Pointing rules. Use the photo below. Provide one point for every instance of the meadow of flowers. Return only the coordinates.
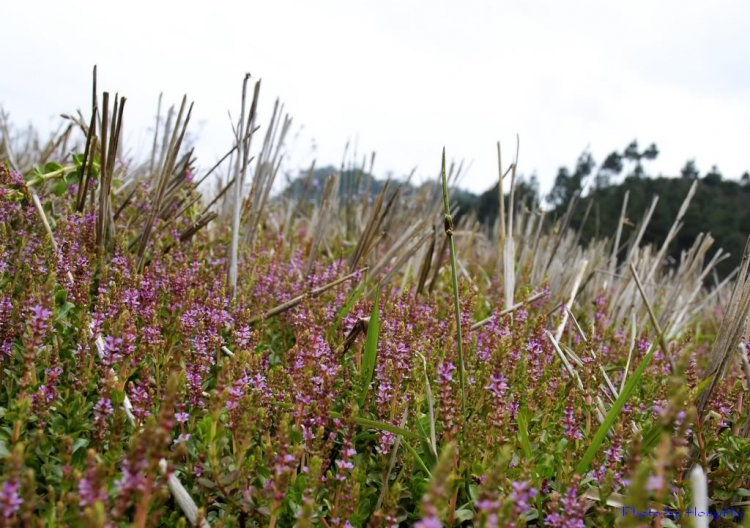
(175, 355)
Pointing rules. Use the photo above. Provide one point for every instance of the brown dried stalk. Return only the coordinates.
(310, 294)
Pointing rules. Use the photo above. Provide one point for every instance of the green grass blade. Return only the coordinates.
(613, 414)
(353, 298)
(366, 422)
(417, 458)
(371, 349)
(430, 407)
(523, 432)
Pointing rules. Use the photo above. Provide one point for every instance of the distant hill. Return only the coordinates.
(356, 182)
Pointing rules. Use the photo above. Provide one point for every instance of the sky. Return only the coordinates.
(402, 78)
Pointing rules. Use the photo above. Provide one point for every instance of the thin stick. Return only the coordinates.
(47, 228)
(673, 230)
(218, 163)
(488, 320)
(83, 185)
(297, 300)
(642, 229)
(566, 363)
(652, 316)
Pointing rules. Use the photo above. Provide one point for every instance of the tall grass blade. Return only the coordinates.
(371, 350)
(614, 413)
(430, 407)
(417, 458)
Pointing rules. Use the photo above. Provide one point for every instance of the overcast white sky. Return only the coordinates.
(405, 78)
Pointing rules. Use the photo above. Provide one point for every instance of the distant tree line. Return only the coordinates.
(720, 206)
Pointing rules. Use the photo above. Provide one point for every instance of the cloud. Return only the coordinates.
(406, 78)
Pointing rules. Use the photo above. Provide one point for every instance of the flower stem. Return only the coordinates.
(449, 232)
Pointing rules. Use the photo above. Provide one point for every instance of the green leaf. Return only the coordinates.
(463, 514)
(365, 422)
(63, 311)
(371, 349)
(51, 167)
(206, 483)
(59, 187)
(613, 414)
(79, 443)
(61, 295)
(117, 397)
(72, 178)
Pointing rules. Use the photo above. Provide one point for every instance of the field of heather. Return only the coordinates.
(179, 349)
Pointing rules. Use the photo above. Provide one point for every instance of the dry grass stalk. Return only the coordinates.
(501, 212)
(239, 176)
(572, 298)
(405, 256)
(642, 229)
(370, 230)
(564, 359)
(672, 231)
(166, 169)
(321, 223)
(733, 325)
(652, 315)
(412, 232)
(509, 255)
(510, 309)
(424, 269)
(616, 245)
